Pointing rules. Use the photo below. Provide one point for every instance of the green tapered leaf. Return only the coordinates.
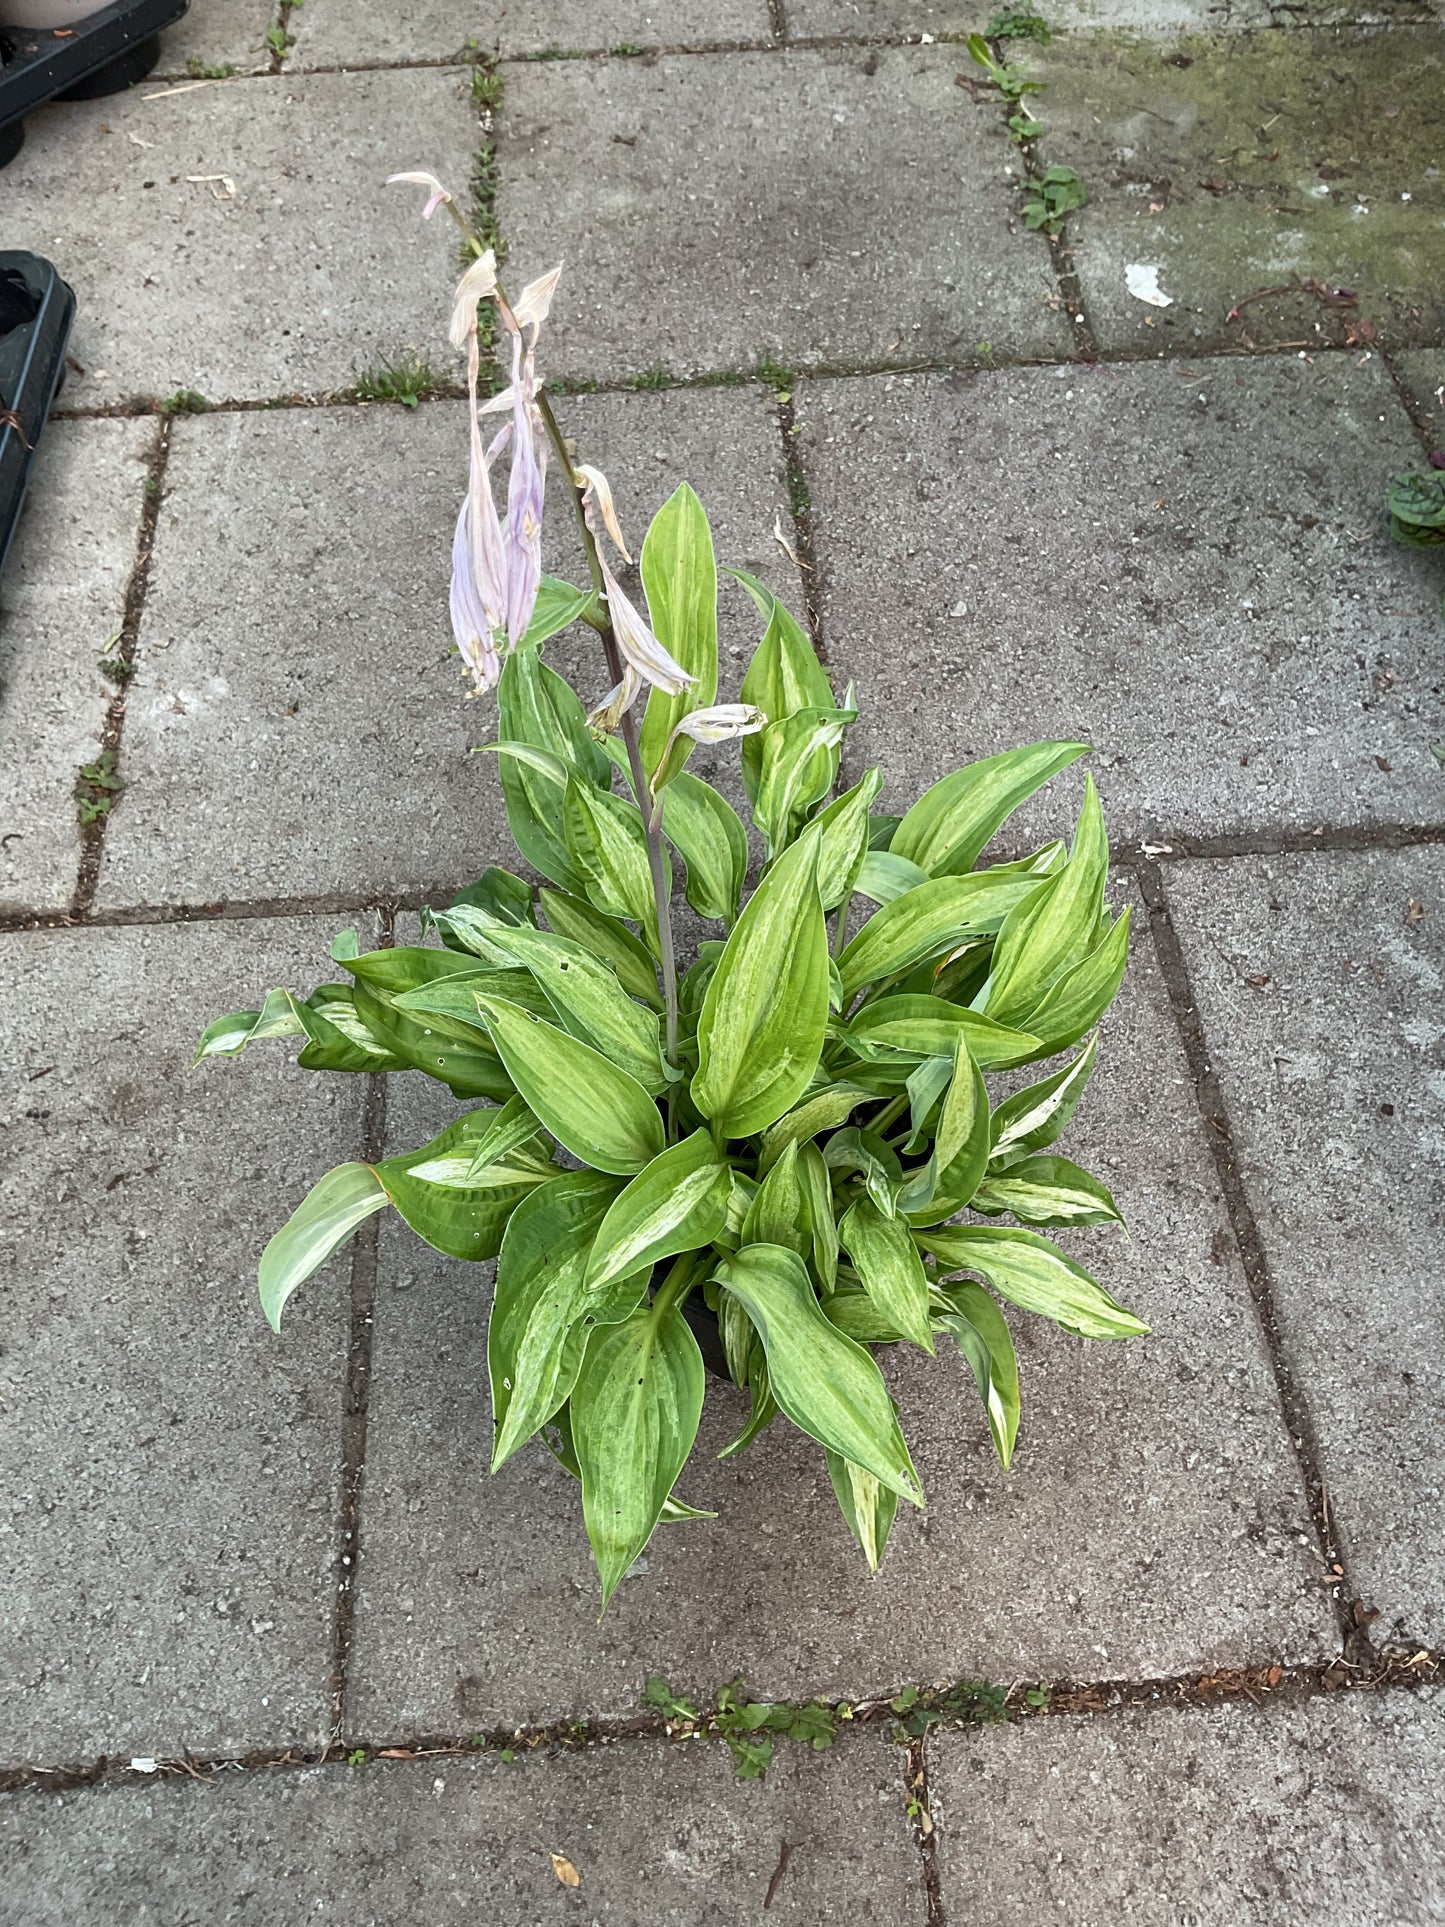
(946, 830)
(536, 708)
(857, 1317)
(960, 1151)
(336, 1038)
(557, 607)
(867, 1507)
(796, 770)
(608, 847)
(883, 877)
(456, 1207)
(504, 1130)
(606, 938)
(843, 840)
(887, 1262)
(444, 1048)
(707, 833)
(777, 1215)
(927, 921)
(590, 1003)
(983, 1337)
(924, 1027)
(678, 1203)
(764, 1018)
(820, 1110)
(603, 1116)
(634, 1416)
(542, 1317)
(1076, 1001)
(1032, 1119)
(763, 1406)
(326, 1217)
(679, 576)
(1054, 927)
(1047, 1191)
(829, 1387)
(817, 1189)
(783, 677)
(1034, 1273)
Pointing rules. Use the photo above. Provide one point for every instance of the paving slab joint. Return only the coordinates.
(1281, 1683)
(800, 504)
(279, 37)
(99, 785)
(1210, 1098)
(356, 1397)
(778, 20)
(1419, 420)
(919, 1808)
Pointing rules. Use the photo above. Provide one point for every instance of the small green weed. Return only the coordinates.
(408, 379)
(185, 401)
(487, 86)
(1024, 127)
(749, 1726)
(1038, 1696)
(117, 670)
(279, 41)
(1010, 82)
(357, 1757)
(97, 788)
(628, 50)
(199, 69)
(1011, 25)
(654, 377)
(506, 1756)
(774, 375)
(970, 1702)
(1050, 197)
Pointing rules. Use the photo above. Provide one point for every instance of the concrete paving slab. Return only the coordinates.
(1152, 1522)
(170, 1467)
(1332, 1071)
(310, 271)
(329, 33)
(1320, 1814)
(1239, 168)
(61, 602)
(219, 33)
(894, 18)
(1423, 372)
(802, 205)
(1186, 565)
(306, 732)
(661, 1836)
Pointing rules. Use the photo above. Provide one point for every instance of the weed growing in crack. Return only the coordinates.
(185, 401)
(1012, 25)
(199, 69)
(98, 788)
(408, 380)
(968, 1702)
(1050, 197)
(749, 1726)
(654, 377)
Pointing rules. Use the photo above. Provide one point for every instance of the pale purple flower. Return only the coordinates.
(436, 195)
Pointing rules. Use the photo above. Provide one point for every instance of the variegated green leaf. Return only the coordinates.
(608, 848)
(843, 840)
(679, 1202)
(927, 921)
(820, 1110)
(590, 1003)
(983, 1336)
(679, 576)
(883, 877)
(1047, 1191)
(606, 937)
(707, 833)
(776, 1215)
(946, 830)
(1054, 928)
(887, 1262)
(924, 1027)
(783, 677)
(332, 1210)
(867, 1507)
(1033, 1119)
(796, 770)
(1034, 1273)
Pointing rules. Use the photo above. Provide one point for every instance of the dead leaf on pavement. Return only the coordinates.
(1415, 912)
(565, 1871)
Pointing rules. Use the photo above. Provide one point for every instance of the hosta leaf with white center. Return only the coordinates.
(606, 937)
(783, 677)
(983, 1336)
(503, 1131)
(1032, 1119)
(875, 1161)
(927, 921)
(678, 1203)
(707, 833)
(777, 1215)
(1047, 1191)
(335, 1207)
(1076, 1001)
(602, 1115)
(925, 1027)
(591, 1003)
(820, 1110)
(887, 1261)
(336, 1038)
(795, 771)
(608, 847)
(455, 1207)
(1054, 928)
(535, 707)
(867, 1507)
(817, 1190)
(634, 1415)
(763, 1020)
(947, 828)
(960, 1151)
(829, 1387)
(1034, 1273)
(843, 839)
(541, 1315)
(679, 576)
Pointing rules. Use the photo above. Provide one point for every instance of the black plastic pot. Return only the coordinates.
(36, 310)
(104, 53)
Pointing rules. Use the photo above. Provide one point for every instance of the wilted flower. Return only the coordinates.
(643, 655)
(718, 724)
(436, 195)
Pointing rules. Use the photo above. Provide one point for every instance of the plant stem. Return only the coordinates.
(657, 869)
(895, 1107)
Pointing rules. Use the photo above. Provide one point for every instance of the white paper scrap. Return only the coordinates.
(1143, 283)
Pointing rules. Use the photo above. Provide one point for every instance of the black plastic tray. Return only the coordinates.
(36, 310)
(101, 54)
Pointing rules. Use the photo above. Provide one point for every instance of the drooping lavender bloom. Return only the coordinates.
(436, 195)
(643, 656)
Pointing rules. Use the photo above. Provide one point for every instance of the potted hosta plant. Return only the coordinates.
(774, 1145)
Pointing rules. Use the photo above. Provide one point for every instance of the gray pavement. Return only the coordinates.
(1156, 528)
